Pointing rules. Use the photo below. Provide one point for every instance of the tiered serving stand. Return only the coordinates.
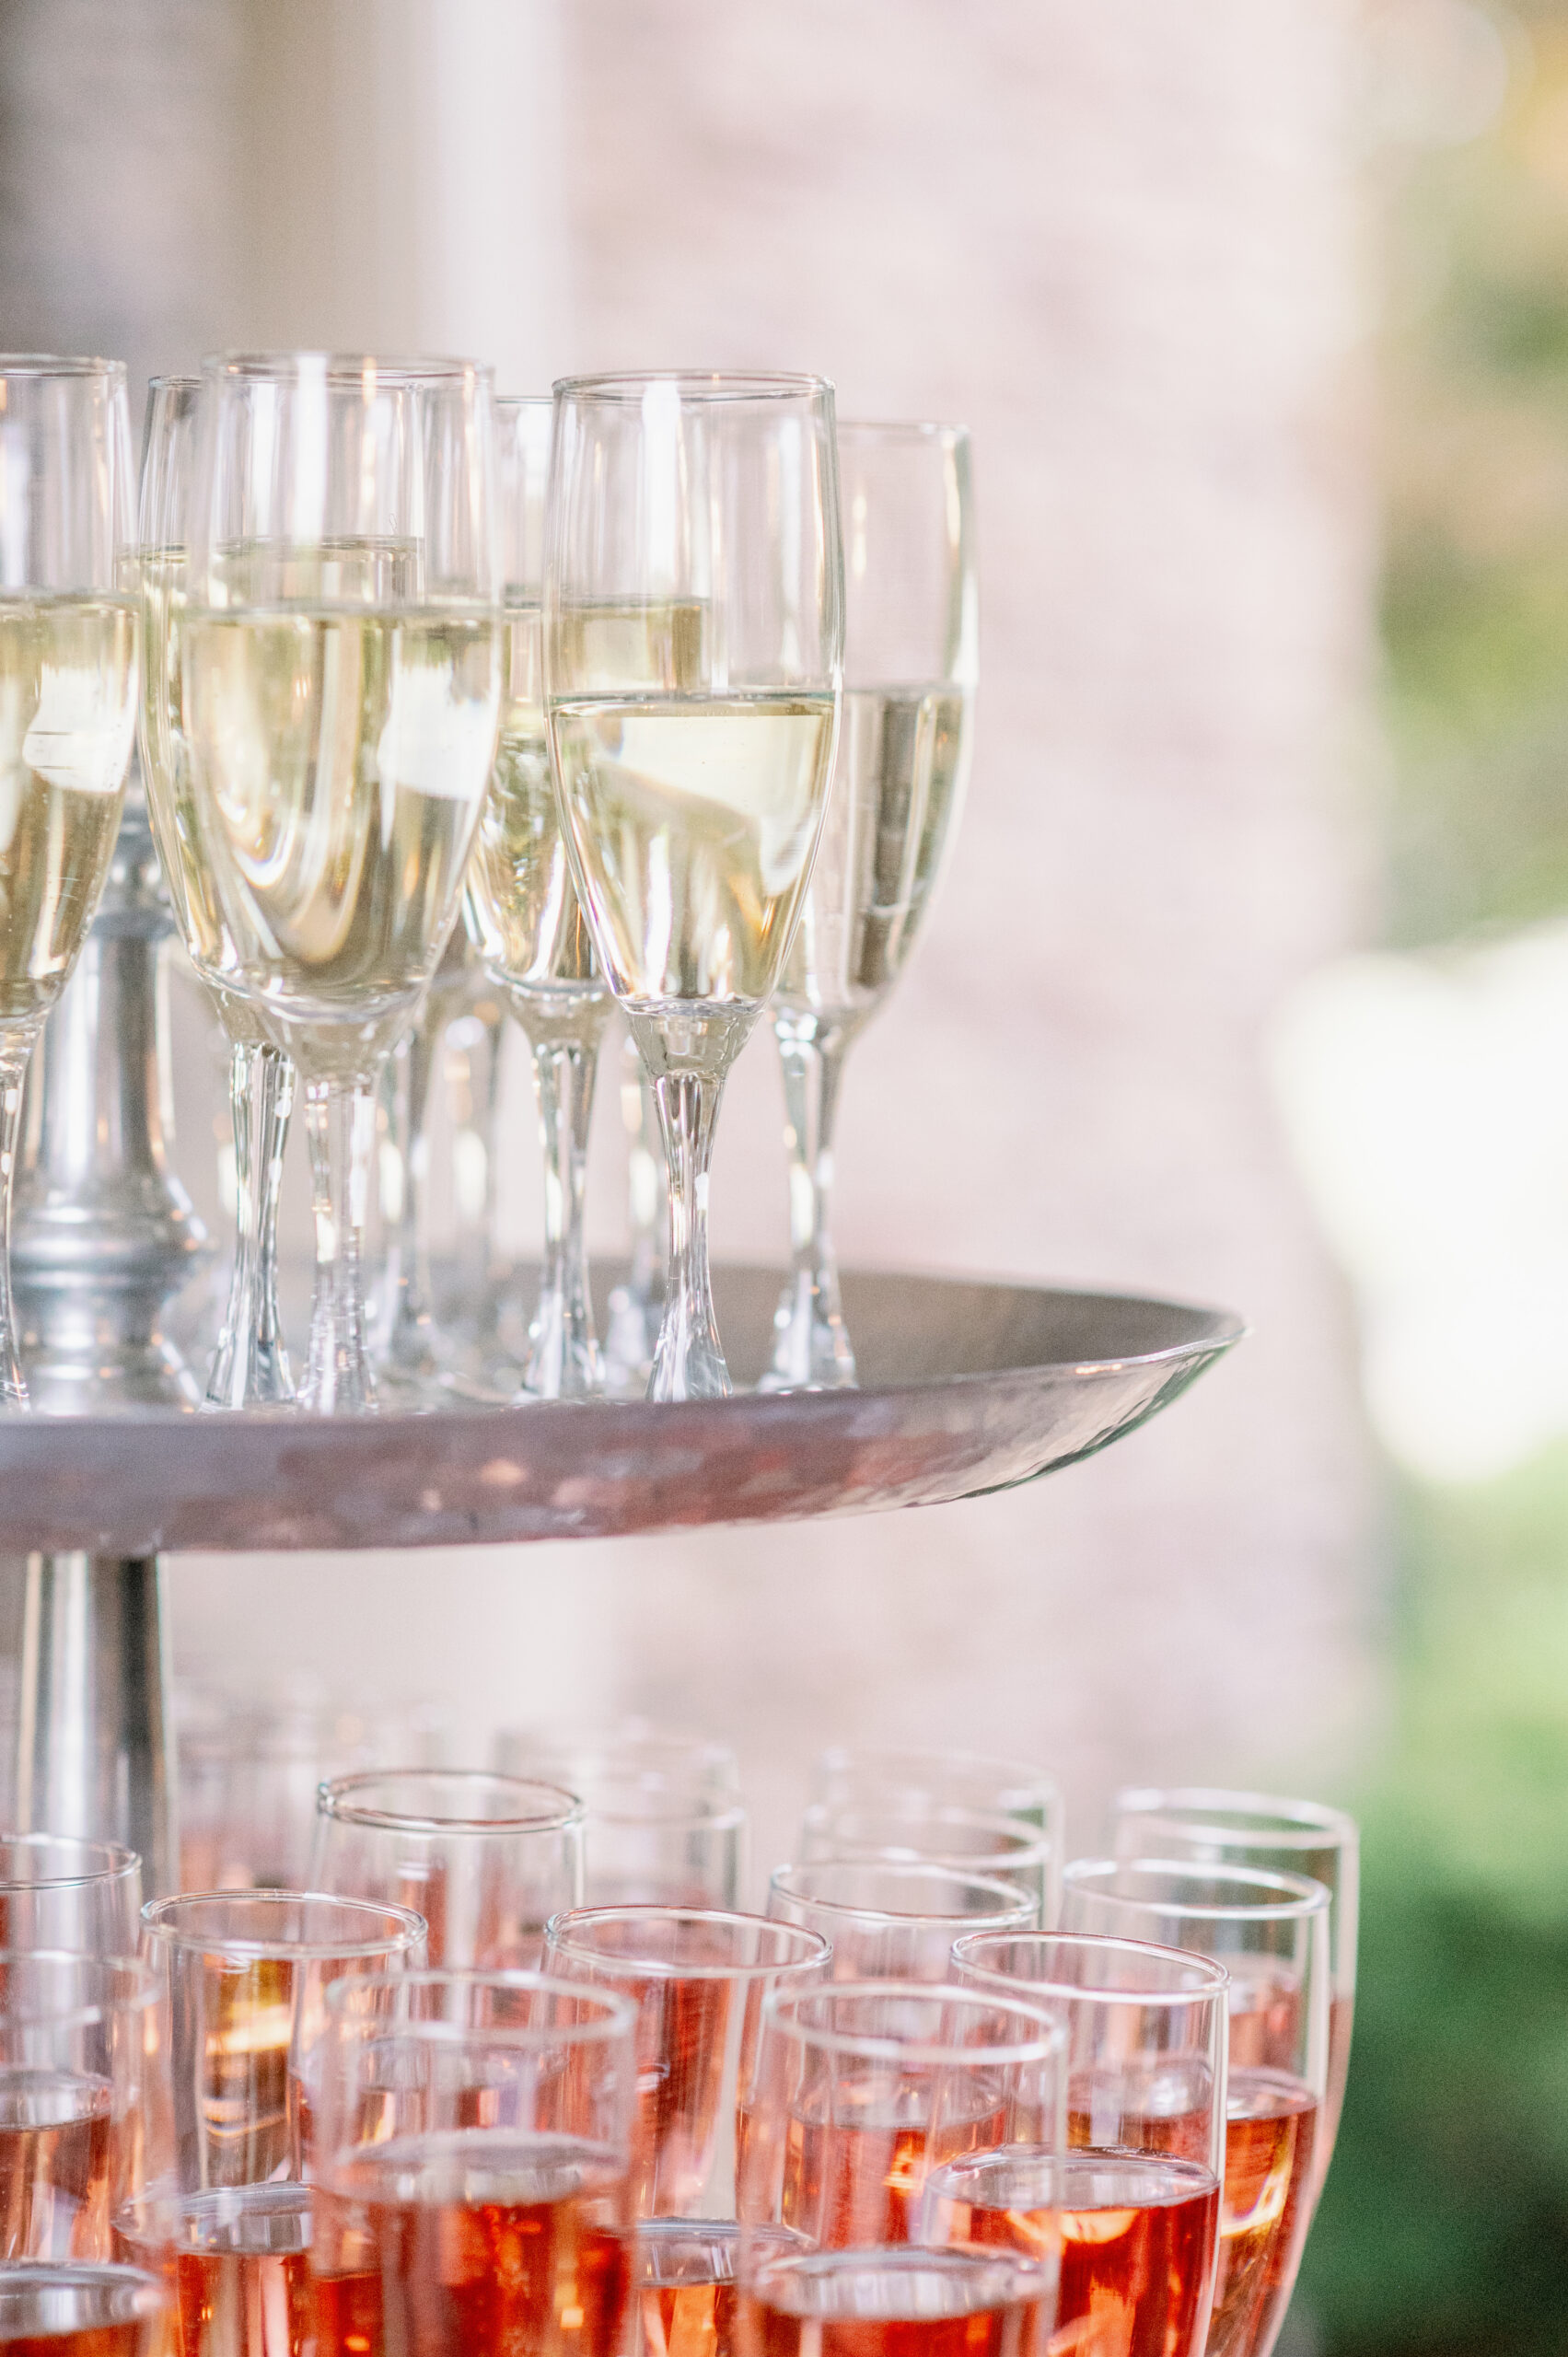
(964, 1389)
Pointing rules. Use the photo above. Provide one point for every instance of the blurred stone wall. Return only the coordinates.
(1119, 243)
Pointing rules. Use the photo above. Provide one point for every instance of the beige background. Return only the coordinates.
(1119, 242)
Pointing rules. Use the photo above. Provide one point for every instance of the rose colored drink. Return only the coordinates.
(236, 2260)
(849, 2183)
(56, 2158)
(1270, 2124)
(1135, 2233)
(684, 2283)
(900, 2303)
(472, 2243)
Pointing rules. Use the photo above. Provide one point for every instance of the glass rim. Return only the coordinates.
(670, 1968)
(19, 2275)
(400, 370)
(1208, 1978)
(1047, 2042)
(55, 363)
(1300, 1895)
(844, 1757)
(140, 1991)
(1291, 1824)
(1017, 1838)
(1011, 1895)
(524, 400)
(122, 1863)
(334, 1799)
(624, 385)
(159, 1922)
(618, 2015)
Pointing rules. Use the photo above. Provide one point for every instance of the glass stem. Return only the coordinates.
(562, 1359)
(410, 1345)
(811, 1344)
(688, 1363)
(251, 1366)
(15, 1048)
(340, 1120)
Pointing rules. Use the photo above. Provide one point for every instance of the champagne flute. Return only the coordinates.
(341, 682)
(693, 615)
(67, 706)
(911, 657)
(525, 916)
(250, 1368)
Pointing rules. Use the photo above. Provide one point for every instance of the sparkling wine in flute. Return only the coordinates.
(56, 2165)
(904, 2303)
(898, 780)
(684, 2274)
(1135, 2235)
(245, 2085)
(693, 820)
(676, 2120)
(338, 759)
(67, 716)
(471, 2244)
(522, 909)
(237, 2263)
(1270, 2122)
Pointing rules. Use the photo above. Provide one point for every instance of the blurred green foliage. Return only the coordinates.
(1443, 2227)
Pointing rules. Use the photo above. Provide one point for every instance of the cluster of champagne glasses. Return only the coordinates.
(588, 703)
(513, 2069)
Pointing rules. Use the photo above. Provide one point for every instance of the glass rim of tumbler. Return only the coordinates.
(704, 1808)
(1018, 1842)
(1045, 2042)
(20, 2276)
(55, 363)
(138, 1993)
(619, 2016)
(336, 1799)
(1296, 1896)
(845, 1757)
(1015, 1903)
(159, 1922)
(120, 1863)
(1281, 1822)
(628, 385)
(398, 370)
(559, 1939)
(1191, 1977)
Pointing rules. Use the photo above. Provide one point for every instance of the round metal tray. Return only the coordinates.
(964, 1389)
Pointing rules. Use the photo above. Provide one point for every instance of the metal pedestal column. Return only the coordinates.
(103, 1235)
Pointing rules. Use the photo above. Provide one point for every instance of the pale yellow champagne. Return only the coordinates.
(338, 760)
(899, 779)
(67, 717)
(522, 910)
(693, 821)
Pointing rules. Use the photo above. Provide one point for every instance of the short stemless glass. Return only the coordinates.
(864, 2091)
(486, 1859)
(250, 1368)
(911, 642)
(57, 1892)
(525, 917)
(341, 680)
(1270, 1932)
(76, 2311)
(1222, 1827)
(76, 2041)
(69, 650)
(895, 1922)
(1134, 2203)
(693, 620)
(474, 2191)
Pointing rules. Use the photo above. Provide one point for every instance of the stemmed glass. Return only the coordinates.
(911, 658)
(1287, 1836)
(693, 639)
(340, 684)
(525, 916)
(895, 1922)
(67, 706)
(250, 1368)
(636, 1305)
